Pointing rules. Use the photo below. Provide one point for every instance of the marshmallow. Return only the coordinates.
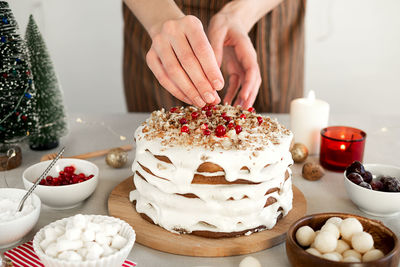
(350, 226)
(249, 262)
(79, 221)
(50, 234)
(362, 242)
(94, 226)
(64, 245)
(372, 255)
(70, 256)
(73, 233)
(51, 250)
(94, 251)
(110, 230)
(107, 250)
(59, 230)
(118, 242)
(325, 242)
(330, 227)
(45, 243)
(88, 235)
(305, 236)
(102, 239)
(83, 252)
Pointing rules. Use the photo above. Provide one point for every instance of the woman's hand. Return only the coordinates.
(183, 61)
(228, 34)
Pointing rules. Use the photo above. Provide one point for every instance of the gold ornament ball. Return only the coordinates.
(299, 152)
(312, 171)
(116, 157)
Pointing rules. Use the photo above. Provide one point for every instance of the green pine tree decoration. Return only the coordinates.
(49, 104)
(17, 98)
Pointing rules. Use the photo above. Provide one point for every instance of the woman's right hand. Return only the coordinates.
(184, 62)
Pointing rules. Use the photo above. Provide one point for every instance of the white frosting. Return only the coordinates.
(212, 210)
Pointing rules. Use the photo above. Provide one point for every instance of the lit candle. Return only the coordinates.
(307, 117)
(340, 146)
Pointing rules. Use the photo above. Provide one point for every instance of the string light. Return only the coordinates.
(112, 131)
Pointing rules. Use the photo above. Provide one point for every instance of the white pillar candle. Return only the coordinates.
(307, 117)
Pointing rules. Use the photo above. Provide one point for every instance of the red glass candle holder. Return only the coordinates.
(340, 146)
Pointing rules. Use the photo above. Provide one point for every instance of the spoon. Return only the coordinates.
(46, 171)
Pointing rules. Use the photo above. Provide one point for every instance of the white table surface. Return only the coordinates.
(99, 131)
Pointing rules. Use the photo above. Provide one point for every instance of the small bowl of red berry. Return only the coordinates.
(68, 183)
(374, 188)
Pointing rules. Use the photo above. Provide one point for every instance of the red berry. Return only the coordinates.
(183, 121)
(260, 120)
(213, 107)
(242, 116)
(195, 115)
(251, 109)
(184, 129)
(206, 108)
(75, 179)
(227, 118)
(61, 173)
(81, 175)
(208, 113)
(204, 126)
(49, 179)
(23, 117)
(173, 109)
(43, 182)
(220, 131)
(238, 129)
(206, 132)
(223, 114)
(231, 125)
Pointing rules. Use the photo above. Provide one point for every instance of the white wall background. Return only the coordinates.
(352, 52)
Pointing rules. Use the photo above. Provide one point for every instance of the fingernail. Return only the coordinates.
(198, 101)
(217, 84)
(240, 102)
(209, 97)
(187, 100)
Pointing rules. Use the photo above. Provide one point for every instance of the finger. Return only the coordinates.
(205, 54)
(176, 73)
(156, 67)
(234, 83)
(192, 67)
(252, 97)
(217, 37)
(217, 98)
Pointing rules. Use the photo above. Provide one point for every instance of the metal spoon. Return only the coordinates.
(46, 171)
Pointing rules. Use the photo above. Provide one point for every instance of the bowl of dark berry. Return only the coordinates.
(374, 188)
(68, 183)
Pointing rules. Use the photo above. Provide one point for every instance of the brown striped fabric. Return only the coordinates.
(278, 39)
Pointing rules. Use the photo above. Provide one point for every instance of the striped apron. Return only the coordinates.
(278, 39)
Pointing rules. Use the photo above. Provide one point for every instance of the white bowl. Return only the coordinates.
(376, 203)
(62, 196)
(11, 232)
(116, 259)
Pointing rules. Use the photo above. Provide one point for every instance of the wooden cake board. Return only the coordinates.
(155, 237)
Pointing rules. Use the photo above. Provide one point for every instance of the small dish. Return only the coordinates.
(63, 196)
(376, 203)
(116, 259)
(384, 239)
(11, 232)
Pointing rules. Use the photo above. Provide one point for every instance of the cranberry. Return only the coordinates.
(206, 132)
(355, 178)
(356, 167)
(260, 120)
(227, 118)
(206, 108)
(43, 182)
(242, 116)
(208, 113)
(61, 173)
(66, 177)
(184, 129)
(204, 126)
(75, 179)
(220, 131)
(173, 109)
(183, 121)
(195, 115)
(223, 114)
(49, 179)
(213, 107)
(231, 125)
(69, 169)
(251, 109)
(238, 129)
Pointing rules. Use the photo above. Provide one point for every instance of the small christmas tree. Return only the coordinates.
(17, 99)
(52, 120)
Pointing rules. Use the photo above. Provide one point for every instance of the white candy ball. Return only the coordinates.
(330, 227)
(305, 236)
(351, 259)
(352, 253)
(325, 242)
(249, 262)
(350, 226)
(338, 255)
(372, 255)
(362, 242)
(335, 220)
(342, 246)
(314, 252)
(331, 256)
(118, 242)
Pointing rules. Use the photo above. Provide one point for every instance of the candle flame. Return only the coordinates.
(342, 147)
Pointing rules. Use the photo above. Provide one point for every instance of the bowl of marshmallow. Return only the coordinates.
(84, 240)
(339, 239)
(14, 225)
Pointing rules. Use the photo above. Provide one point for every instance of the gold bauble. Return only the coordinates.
(299, 152)
(312, 171)
(116, 157)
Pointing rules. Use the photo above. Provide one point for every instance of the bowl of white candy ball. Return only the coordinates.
(14, 225)
(84, 240)
(339, 239)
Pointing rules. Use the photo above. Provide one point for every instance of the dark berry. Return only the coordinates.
(356, 167)
(365, 185)
(183, 121)
(377, 185)
(195, 115)
(220, 131)
(367, 177)
(390, 184)
(238, 129)
(184, 129)
(355, 178)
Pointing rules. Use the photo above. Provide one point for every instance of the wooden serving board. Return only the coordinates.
(155, 237)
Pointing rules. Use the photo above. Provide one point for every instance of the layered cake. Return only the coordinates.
(217, 171)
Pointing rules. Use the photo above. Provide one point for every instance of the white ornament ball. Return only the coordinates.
(351, 259)
(351, 253)
(335, 220)
(362, 242)
(249, 262)
(325, 242)
(314, 252)
(330, 227)
(342, 246)
(372, 255)
(350, 226)
(305, 236)
(331, 256)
